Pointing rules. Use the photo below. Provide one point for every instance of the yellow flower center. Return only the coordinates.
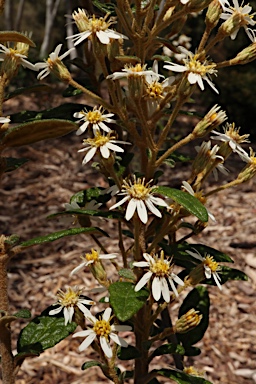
(94, 117)
(155, 90)
(211, 263)
(97, 24)
(69, 298)
(99, 140)
(137, 68)
(160, 267)
(102, 328)
(94, 255)
(196, 66)
(138, 189)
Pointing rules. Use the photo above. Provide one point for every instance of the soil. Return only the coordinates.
(41, 187)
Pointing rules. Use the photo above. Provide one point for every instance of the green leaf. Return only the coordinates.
(43, 332)
(12, 163)
(16, 37)
(189, 202)
(67, 110)
(127, 274)
(85, 196)
(198, 299)
(227, 274)
(78, 212)
(128, 353)
(167, 349)
(180, 377)
(89, 364)
(106, 8)
(26, 90)
(125, 301)
(58, 235)
(23, 314)
(35, 131)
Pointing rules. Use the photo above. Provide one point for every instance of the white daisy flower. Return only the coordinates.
(91, 258)
(102, 144)
(160, 271)
(53, 59)
(134, 71)
(241, 13)
(93, 27)
(16, 55)
(68, 301)
(140, 196)
(96, 118)
(211, 267)
(196, 70)
(232, 137)
(198, 195)
(103, 331)
(156, 91)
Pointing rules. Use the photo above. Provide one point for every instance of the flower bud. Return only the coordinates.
(247, 55)
(250, 170)
(188, 321)
(213, 14)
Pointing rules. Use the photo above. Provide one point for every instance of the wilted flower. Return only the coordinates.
(195, 69)
(103, 331)
(93, 26)
(68, 301)
(95, 118)
(52, 62)
(140, 196)
(232, 138)
(16, 55)
(242, 14)
(211, 267)
(160, 270)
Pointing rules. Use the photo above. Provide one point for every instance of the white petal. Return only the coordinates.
(77, 269)
(118, 340)
(55, 311)
(158, 201)
(156, 288)
(68, 314)
(141, 264)
(114, 147)
(107, 314)
(196, 255)
(173, 287)
(87, 341)
(217, 281)
(131, 207)
(152, 208)
(120, 202)
(177, 279)
(106, 347)
(89, 155)
(104, 151)
(143, 281)
(165, 290)
(103, 37)
(175, 67)
(83, 309)
(83, 128)
(104, 127)
(207, 272)
(142, 211)
(108, 256)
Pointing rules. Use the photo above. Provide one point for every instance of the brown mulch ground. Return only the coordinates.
(40, 188)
